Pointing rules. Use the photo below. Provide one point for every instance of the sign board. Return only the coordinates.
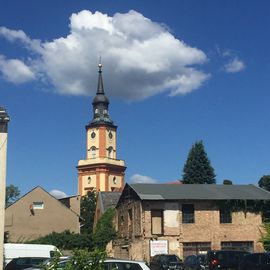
(158, 247)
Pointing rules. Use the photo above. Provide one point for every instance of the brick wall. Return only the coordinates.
(207, 227)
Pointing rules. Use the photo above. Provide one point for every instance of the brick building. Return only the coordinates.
(187, 219)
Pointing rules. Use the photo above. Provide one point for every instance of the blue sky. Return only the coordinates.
(175, 72)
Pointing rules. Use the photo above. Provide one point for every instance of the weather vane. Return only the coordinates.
(100, 65)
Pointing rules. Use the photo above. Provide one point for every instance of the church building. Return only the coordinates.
(101, 170)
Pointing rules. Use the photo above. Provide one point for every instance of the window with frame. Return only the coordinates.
(225, 216)
(157, 221)
(190, 248)
(188, 213)
(93, 150)
(110, 152)
(238, 245)
(38, 205)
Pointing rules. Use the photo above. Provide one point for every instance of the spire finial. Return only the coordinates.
(100, 65)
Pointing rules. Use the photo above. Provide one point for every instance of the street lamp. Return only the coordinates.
(4, 119)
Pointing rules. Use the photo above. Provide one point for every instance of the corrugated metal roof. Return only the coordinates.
(199, 192)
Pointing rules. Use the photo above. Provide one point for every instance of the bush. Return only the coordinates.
(81, 259)
(66, 240)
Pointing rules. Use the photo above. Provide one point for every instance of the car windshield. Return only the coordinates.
(39, 261)
(170, 258)
(121, 266)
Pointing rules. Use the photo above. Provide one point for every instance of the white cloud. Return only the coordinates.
(14, 70)
(141, 58)
(138, 178)
(58, 194)
(234, 65)
(19, 35)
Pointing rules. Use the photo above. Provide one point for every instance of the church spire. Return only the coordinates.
(100, 104)
(100, 89)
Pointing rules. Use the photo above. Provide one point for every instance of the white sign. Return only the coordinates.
(158, 247)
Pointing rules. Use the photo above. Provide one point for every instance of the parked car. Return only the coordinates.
(166, 262)
(255, 261)
(12, 251)
(194, 262)
(119, 264)
(224, 259)
(60, 265)
(108, 264)
(24, 262)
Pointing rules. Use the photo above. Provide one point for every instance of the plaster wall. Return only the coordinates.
(115, 181)
(25, 223)
(92, 142)
(111, 142)
(102, 178)
(89, 183)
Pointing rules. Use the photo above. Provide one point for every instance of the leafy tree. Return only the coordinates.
(66, 240)
(88, 207)
(104, 230)
(12, 194)
(198, 169)
(265, 239)
(227, 182)
(264, 182)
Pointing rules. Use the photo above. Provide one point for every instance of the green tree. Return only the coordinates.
(12, 194)
(264, 182)
(227, 182)
(198, 169)
(104, 231)
(265, 239)
(88, 208)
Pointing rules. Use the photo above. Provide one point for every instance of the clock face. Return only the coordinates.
(93, 135)
(110, 135)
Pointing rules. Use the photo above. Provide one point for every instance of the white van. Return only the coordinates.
(12, 251)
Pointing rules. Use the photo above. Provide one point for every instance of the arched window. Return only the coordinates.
(89, 180)
(93, 151)
(110, 152)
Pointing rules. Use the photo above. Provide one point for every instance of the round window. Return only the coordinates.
(93, 135)
(110, 135)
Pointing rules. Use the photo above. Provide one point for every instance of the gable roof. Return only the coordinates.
(198, 192)
(108, 199)
(49, 195)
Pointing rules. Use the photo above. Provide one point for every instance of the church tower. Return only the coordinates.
(100, 171)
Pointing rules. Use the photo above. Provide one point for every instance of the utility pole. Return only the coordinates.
(4, 118)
